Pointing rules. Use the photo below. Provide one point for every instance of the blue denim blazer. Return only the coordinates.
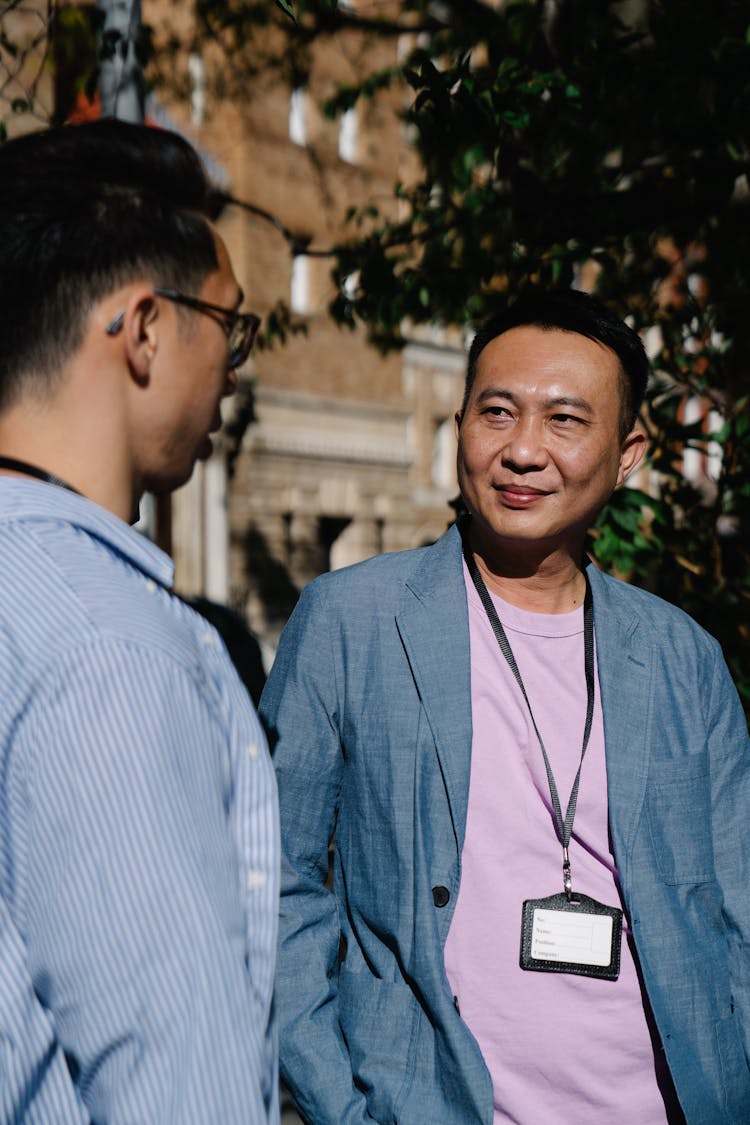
(368, 711)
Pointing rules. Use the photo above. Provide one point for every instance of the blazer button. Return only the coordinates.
(441, 896)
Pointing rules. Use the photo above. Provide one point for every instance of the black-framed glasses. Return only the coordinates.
(240, 328)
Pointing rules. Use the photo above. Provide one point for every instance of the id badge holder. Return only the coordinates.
(571, 934)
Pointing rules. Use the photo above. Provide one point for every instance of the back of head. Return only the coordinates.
(85, 209)
(569, 310)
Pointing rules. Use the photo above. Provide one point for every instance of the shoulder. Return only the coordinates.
(380, 569)
(354, 609)
(385, 576)
(68, 594)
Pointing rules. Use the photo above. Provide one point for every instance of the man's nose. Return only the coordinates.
(525, 448)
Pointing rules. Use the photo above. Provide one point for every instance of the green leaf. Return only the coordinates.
(287, 7)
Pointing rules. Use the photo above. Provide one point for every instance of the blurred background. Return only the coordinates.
(387, 174)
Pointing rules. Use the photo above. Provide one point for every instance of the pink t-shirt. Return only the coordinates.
(560, 1048)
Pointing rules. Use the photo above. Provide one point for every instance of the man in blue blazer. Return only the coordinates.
(537, 780)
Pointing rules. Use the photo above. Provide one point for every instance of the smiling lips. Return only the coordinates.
(519, 495)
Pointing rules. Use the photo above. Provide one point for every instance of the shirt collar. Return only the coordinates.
(28, 500)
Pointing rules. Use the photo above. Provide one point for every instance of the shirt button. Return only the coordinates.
(441, 896)
(253, 751)
(209, 640)
(151, 586)
(256, 879)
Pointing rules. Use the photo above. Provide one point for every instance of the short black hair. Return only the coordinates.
(570, 310)
(85, 209)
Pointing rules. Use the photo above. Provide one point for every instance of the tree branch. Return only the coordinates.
(298, 243)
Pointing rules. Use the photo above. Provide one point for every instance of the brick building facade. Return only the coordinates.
(351, 452)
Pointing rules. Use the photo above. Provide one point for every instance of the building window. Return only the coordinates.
(702, 463)
(197, 76)
(444, 454)
(298, 116)
(692, 459)
(349, 136)
(714, 452)
(350, 285)
(301, 293)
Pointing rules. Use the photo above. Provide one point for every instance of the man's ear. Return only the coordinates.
(632, 452)
(140, 330)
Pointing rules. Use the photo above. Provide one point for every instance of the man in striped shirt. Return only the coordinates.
(138, 818)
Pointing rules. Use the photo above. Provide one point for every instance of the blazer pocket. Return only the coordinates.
(678, 808)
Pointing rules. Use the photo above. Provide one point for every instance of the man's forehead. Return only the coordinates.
(530, 347)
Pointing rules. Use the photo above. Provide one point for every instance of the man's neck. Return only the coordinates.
(86, 458)
(533, 580)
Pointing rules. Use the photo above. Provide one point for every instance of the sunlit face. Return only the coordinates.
(539, 451)
(193, 359)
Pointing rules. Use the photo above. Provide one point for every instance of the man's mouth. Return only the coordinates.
(520, 495)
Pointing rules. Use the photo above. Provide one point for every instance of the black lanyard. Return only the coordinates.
(33, 471)
(564, 827)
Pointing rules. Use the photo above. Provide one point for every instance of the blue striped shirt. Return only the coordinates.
(138, 837)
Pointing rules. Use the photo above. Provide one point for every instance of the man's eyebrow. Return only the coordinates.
(570, 400)
(554, 401)
(496, 392)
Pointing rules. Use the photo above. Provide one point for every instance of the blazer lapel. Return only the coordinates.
(434, 629)
(624, 661)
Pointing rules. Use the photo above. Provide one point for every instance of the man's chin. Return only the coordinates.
(168, 483)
